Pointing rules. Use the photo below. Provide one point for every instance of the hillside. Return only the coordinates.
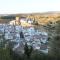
(42, 18)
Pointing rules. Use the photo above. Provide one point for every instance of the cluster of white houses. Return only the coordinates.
(35, 38)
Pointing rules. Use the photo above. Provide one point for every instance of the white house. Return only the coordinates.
(30, 21)
(23, 20)
(8, 36)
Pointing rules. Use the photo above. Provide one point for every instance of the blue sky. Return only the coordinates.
(28, 6)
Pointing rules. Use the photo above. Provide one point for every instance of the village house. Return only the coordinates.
(23, 19)
(37, 39)
(15, 22)
(1, 28)
(8, 36)
(30, 21)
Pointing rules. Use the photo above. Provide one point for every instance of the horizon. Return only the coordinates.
(32, 12)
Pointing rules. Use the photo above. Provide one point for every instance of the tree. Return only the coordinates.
(28, 50)
(7, 17)
(5, 54)
(35, 22)
(54, 40)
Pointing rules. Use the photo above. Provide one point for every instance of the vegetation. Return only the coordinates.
(35, 22)
(7, 17)
(8, 54)
(54, 40)
(28, 50)
(5, 54)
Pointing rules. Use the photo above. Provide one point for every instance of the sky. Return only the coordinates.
(28, 6)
